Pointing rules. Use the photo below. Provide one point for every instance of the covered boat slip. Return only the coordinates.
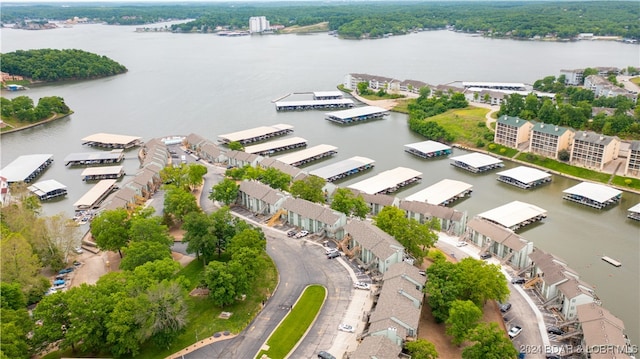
(97, 193)
(476, 162)
(514, 215)
(442, 193)
(356, 114)
(305, 156)
(94, 158)
(327, 95)
(388, 181)
(428, 149)
(634, 212)
(314, 104)
(592, 195)
(26, 168)
(108, 140)
(342, 169)
(524, 177)
(256, 134)
(268, 148)
(49, 189)
(100, 173)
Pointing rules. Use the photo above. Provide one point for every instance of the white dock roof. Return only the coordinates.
(94, 194)
(513, 213)
(254, 132)
(111, 138)
(44, 187)
(306, 154)
(337, 168)
(339, 101)
(635, 208)
(440, 192)
(477, 160)
(355, 112)
(87, 156)
(525, 174)
(428, 146)
(106, 170)
(386, 179)
(273, 145)
(327, 93)
(23, 166)
(597, 192)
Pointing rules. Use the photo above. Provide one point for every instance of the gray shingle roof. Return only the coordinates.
(403, 269)
(592, 137)
(431, 210)
(372, 238)
(376, 347)
(312, 210)
(498, 233)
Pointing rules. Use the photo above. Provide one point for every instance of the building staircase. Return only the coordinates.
(532, 282)
(276, 217)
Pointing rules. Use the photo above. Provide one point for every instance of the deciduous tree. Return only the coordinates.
(226, 192)
(490, 343)
(111, 230)
(138, 253)
(309, 188)
(421, 349)
(463, 317)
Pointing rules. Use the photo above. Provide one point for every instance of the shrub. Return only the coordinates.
(479, 143)
(492, 146)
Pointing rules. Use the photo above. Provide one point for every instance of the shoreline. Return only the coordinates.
(53, 118)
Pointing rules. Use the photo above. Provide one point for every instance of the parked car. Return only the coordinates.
(346, 328)
(66, 270)
(330, 250)
(58, 282)
(554, 330)
(461, 244)
(515, 331)
(485, 256)
(325, 355)
(553, 356)
(518, 280)
(361, 285)
(333, 255)
(78, 250)
(505, 307)
(291, 233)
(422, 273)
(302, 234)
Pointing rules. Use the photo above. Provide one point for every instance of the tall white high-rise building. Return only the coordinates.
(258, 24)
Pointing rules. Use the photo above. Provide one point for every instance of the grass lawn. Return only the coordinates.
(403, 106)
(290, 331)
(501, 150)
(635, 80)
(464, 124)
(375, 97)
(626, 182)
(565, 168)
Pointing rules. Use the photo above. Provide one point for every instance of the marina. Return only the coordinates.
(26, 168)
(94, 158)
(48, 189)
(268, 148)
(100, 173)
(388, 181)
(256, 134)
(357, 114)
(593, 195)
(524, 177)
(344, 168)
(442, 193)
(308, 155)
(514, 215)
(428, 149)
(108, 140)
(95, 196)
(314, 104)
(634, 212)
(476, 162)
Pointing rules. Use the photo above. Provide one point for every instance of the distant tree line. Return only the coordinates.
(21, 108)
(56, 65)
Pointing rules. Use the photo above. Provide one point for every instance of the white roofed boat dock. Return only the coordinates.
(270, 147)
(108, 140)
(514, 215)
(327, 95)
(49, 189)
(428, 149)
(524, 177)
(356, 114)
(305, 156)
(100, 173)
(442, 193)
(593, 195)
(634, 212)
(94, 158)
(26, 168)
(388, 181)
(476, 162)
(303, 105)
(97, 193)
(256, 134)
(343, 169)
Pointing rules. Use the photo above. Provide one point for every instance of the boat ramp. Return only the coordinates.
(476, 162)
(388, 181)
(428, 149)
(95, 196)
(26, 168)
(357, 114)
(49, 189)
(271, 147)
(305, 156)
(108, 140)
(343, 169)
(524, 177)
(514, 215)
(592, 195)
(442, 193)
(94, 158)
(256, 134)
(314, 104)
(100, 173)
(634, 212)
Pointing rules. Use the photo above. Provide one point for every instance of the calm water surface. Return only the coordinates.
(179, 84)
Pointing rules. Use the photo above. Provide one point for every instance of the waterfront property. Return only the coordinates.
(49, 189)
(512, 131)
(601, 329)
(593, 150)
(94, 158)
(308, 155)
(512, 86)
(256, 134)
(97, 193)
(634, 212)
(303, 105)
(376, 202)
(260, 198)
(514, 215)
(388, 181)
(548, 140)
(442, 193)
(428, 149)
(476, 162)
(314, 217)
(357, 114)
(592, 194)
(373, 247)
(632, 166)
(344, 168)
(100, 173)
(26, 168)
(108, 140)
(501, 242)
(451, 221)
(524, 177)
(204, 148)
(270, 162)
(241, 159)
(271, 147)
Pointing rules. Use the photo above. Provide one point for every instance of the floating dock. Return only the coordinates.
(305, 156)
(26, 168)
(97, 193)
(611, 261)
(271, 147)
(108, 140)
(514, 215)
(94, 158)
(634, 212)
(356, 114)
(100, 173)
(49, 189)
(343, 169)
(314, 104)
(428, 149)
(524, 177)
(388, 181)
(593, 195)
(327, 95)
(256, 134)
(442, 193)
(476, 162)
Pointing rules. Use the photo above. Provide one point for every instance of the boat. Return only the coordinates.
(611, 261)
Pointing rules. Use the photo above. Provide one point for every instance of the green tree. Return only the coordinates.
(309, 188)
(149, 229)
(179, 202)
(275, 178)
(481, 281)
(417, 238)
(165, 316)
(124, 331)
(421, 349)
(564, 155)
(11, 296)
(363, 88)
(223, 228)
(195, 174)
(111, 230)
(346, 202)
(139, 253)
(226, 192)
(236, 146)
(490, 343)
(88, 310)
(512, 106)
(221, 284)
(248, 238)
(443, 288)
(198, 236)
(18, 263)
(548, 112)
(463, 317)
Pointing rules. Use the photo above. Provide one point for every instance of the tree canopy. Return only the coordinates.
(21, 108)
(309, 188)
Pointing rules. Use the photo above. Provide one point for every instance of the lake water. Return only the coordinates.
(206, 84)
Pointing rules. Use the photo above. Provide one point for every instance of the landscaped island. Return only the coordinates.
(20, 112)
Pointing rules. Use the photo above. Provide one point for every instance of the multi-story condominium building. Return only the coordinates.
(547, 140)
(258, 24)
(594, 150)
(602, 87)
(576, 77)
(512, 131)
(351, 82)
(632, 167)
